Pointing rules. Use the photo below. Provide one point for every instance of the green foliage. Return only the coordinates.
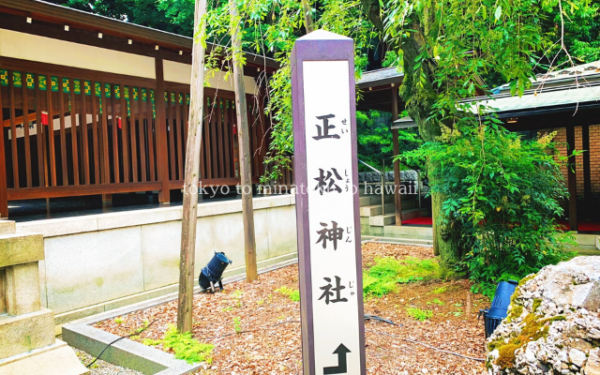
(387, 273)
(443, 47)
(184, 345)
(502, 196)
(419, 314)
(375, 139)
(292, 294)
(119, 320)
(582, 35)
(237, 325)
(271, 27)
(437, 302)
(440, 290)
(164, 15)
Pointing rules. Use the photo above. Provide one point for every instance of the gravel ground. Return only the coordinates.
(101, 367)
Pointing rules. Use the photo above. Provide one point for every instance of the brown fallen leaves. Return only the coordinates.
(256, 330)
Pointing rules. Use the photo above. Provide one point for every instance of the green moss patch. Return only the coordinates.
(534, 328)
(387, 273)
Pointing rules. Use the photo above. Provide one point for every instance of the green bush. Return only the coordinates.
(500, 197)
(292, 294)
(375, 141)
(419, 314)
(185, 346)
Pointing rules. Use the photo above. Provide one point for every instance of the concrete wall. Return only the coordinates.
(100, 262)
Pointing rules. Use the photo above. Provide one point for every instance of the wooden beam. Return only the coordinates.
(50, 130)
(40, 138)
(3, 176)
(74, 147)
(192, 167)
(82, 190)
(13, 128)
(587, 171)
(244, 146)
(572, 179)
(27, 139)
(19, 120)
(162, 155)
(63, 133)
(396, 151)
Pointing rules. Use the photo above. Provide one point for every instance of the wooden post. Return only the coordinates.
(244, 146)
(587, 173)
(396, 151)
(572, 179)
(162, 157)
(190, 186)
(3, 176)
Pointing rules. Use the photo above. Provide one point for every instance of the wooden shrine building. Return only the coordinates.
(566, 102)
(97, 106)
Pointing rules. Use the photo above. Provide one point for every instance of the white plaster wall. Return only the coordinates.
(96, 262)
(59, 52)
(182, 73)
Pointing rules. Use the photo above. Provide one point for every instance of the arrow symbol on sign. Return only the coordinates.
(342, 367)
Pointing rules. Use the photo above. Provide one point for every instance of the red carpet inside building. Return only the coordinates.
(419, 221)
(583, 227)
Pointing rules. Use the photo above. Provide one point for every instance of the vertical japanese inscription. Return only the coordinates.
(331, 224)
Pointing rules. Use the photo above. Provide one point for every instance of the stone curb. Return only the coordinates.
(130, 354)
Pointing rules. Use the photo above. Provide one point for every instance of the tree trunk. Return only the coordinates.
(244, 145)
(190, 196)
(308, 21)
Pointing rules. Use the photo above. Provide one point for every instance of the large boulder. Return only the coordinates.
(553, 323)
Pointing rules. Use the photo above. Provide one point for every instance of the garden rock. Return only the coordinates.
(553, 323)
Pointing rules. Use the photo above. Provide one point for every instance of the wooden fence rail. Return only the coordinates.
(86, 134)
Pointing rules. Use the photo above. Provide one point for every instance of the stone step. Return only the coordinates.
(7, 227)
(376, 199)
(374, 210)
(23, 333)
(404, 231)
(382, 220)
(55, 359)
(399, 240)
(364, 201)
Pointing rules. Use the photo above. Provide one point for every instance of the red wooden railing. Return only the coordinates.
(68, 132)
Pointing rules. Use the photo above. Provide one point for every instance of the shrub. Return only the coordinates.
(419, 314)
(185, 346)
(292, 294)
(500, 200)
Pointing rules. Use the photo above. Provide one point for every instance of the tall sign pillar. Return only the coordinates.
(327, 205)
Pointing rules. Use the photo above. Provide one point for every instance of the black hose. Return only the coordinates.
(119, 339)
